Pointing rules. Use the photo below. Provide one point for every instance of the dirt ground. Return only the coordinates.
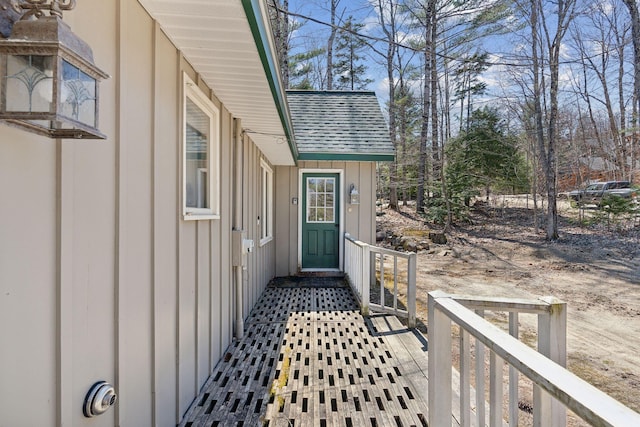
(595, 269)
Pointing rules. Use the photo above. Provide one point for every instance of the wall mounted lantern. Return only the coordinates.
(48, 80)
(354, 196)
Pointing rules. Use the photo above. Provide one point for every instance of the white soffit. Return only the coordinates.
(215, 37)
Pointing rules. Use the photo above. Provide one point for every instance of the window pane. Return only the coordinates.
(329, 201)
(311, 214)
(329, 215)
(329, 187)
(197, 161)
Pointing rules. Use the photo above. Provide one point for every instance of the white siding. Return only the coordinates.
(28, 278)
(100, 278)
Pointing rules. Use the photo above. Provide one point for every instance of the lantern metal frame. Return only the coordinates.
(49, 36)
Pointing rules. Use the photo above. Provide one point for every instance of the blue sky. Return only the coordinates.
(502, 49)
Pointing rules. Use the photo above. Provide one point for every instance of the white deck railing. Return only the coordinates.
(364, 263)
(554, 387)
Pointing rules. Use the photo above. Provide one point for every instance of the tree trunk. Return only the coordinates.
(632, 5)
(544, 152)
(435, 146)
(426, 109)
(390, 32)
(332, 36)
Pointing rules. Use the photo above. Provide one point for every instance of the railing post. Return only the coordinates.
(552, 342)
(366, 278)
(411, 291)
(439, 338)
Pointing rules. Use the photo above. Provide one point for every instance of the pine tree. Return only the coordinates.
(349, 68)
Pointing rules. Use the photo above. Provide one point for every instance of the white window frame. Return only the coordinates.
(212, 172)
(266, 211)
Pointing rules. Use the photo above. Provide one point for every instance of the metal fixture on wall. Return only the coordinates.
(99, 399)
(354, 196)
(48, 79)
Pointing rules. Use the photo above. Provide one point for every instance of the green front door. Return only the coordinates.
(320, 221)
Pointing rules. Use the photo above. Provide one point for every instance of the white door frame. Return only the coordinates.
(341, 217)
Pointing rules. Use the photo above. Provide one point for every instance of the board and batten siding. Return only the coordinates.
(261, 262)
(100, 277)
(360, 219)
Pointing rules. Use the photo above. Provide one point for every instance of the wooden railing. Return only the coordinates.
(554, 387)
(366, 266)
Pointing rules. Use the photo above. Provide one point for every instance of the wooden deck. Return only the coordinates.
(309, 358)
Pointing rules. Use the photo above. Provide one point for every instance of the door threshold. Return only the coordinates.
(321, 273)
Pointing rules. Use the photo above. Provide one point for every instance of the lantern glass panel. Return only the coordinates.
(78, 95)
(29, 83)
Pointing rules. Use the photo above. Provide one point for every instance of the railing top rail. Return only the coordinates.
(384, 251)
(378, 249)
(520, 305)
(591, 404)
(350, 238)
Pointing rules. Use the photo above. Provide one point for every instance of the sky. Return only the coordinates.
(503, 49)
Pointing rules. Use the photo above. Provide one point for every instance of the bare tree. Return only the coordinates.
(280, 24)
(546, 49)
(427, 20)
(332, 36)
(387, 11)
(632, 5)
(599, 48)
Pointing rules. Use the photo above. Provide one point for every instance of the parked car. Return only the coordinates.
(593, 194)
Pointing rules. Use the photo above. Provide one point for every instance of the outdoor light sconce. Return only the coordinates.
(48, 80)
(354, 196)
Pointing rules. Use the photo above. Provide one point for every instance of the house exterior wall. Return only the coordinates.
(100, 276)
(360, 220)
(261, 262)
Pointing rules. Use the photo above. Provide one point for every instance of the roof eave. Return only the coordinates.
(260, 28)
(350, 157)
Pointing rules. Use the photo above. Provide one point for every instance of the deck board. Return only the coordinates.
(309, 358)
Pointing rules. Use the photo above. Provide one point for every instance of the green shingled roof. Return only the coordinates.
(334, 125)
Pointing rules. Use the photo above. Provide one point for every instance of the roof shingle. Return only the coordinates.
(339, 125)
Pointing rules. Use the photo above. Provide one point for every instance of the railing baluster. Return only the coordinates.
(513, 375)
(395, 282)
(382, 280)
(465, 379)
(411, 289)
(495, 389)
(480, 409)
(365, 280)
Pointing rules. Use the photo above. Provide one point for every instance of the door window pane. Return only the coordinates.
(320, 200)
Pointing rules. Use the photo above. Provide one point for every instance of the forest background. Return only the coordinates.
(481, 97)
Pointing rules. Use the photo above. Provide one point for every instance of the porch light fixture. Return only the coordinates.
(354, 196)
(48, 80)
